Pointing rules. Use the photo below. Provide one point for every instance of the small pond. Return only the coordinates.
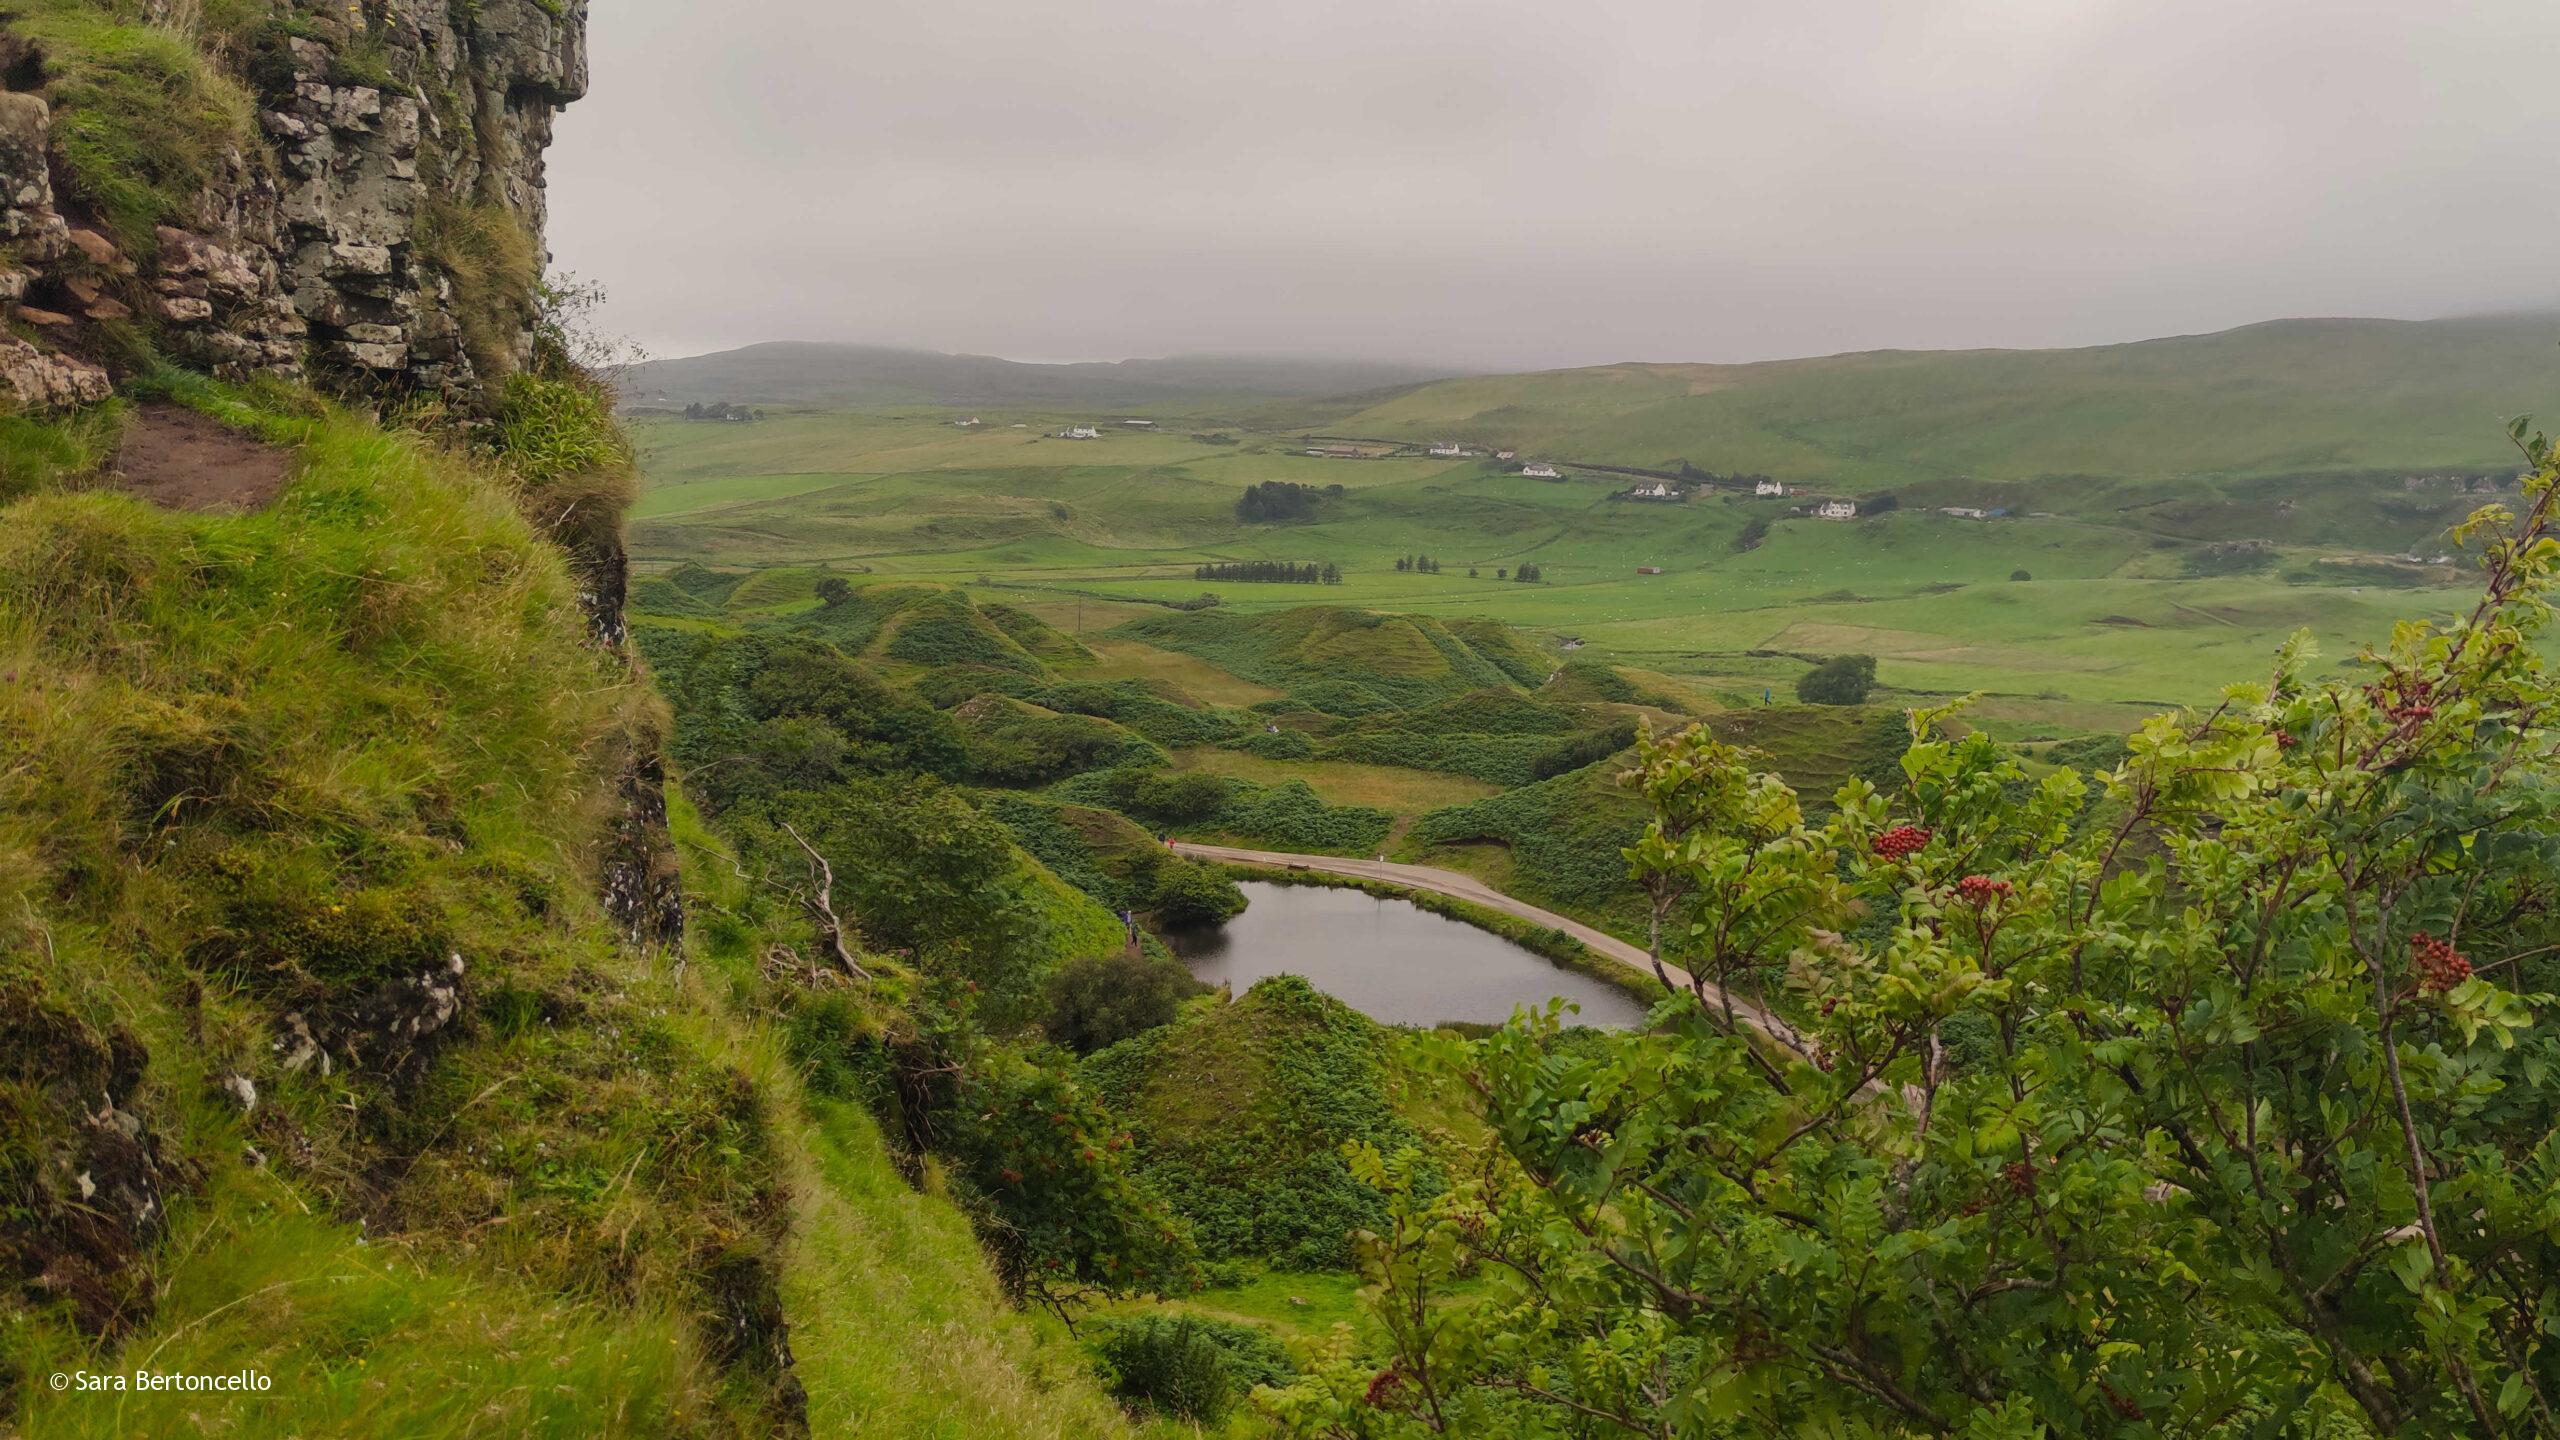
(1388, 959)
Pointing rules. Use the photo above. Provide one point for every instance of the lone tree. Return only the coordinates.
(834, 590)
(1840, 680)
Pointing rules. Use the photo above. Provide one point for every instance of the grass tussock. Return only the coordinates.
(144, 119)
(495, 267)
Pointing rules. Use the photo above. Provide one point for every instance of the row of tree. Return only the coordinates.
(1417, 564)
(1271, 572)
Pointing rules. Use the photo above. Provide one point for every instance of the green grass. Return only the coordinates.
(1398, 791)
(142, 117)
(2292, 397)
(897, 1323)
(363, 1339)
(268, 764)
(1240, 1112)
(1094, 538)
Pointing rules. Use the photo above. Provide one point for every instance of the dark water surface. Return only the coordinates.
(1388, 960)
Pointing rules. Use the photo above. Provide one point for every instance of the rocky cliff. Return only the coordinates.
(349, 192)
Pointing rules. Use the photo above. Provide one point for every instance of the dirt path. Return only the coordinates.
(175, 457)
(1468, 888)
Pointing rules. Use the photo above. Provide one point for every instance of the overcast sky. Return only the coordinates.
(1529, 183)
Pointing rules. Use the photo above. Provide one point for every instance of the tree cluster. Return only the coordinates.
(1417, 564)
(1282, 501)
(1270, 572)
(1840, 680)
(722, 410)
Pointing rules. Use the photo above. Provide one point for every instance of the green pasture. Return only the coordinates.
(1089, 534)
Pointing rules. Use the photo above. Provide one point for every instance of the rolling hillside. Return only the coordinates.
(2290, 397)
(793, 373)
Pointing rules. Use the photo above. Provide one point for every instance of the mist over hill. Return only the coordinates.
(798, 373)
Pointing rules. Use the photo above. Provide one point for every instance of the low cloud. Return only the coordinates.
(1508, 184)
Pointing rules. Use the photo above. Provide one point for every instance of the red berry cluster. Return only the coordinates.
(2439, 967)
(2286, 740)
(2404, 698)
(1982, 889)
(2020, 1175)
(1901, 841)
(1384, 1390)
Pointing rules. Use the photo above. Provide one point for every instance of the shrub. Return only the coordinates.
(1182, 796)
(1188, 894)
(1275, 745)
(1188, 1366)
(1098, 1002)
(2020, 575)
(1840, 680)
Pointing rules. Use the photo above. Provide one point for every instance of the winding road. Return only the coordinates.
(1459, 886)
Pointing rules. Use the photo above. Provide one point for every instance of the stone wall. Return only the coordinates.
(379, 125)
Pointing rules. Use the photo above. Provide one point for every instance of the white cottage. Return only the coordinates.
(1838, 510)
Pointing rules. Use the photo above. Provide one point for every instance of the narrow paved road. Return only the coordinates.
(1468, 888)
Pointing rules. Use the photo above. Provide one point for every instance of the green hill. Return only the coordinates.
(2287, 397)
(1240, 1114)
(1347, 662)
(835, 376)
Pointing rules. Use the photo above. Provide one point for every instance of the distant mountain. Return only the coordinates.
(794, 373)
(2291, 397)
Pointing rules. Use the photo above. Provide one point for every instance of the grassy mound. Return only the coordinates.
(1011, 742)
(1326, 654)
(1239, 1117)
(1819, 747)
(1563, 836)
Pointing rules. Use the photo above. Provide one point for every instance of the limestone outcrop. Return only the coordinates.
(377, 223)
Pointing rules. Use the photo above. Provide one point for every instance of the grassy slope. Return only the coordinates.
(2286, 397)
(262, 761)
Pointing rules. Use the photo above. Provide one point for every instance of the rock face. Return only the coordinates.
(380, 229)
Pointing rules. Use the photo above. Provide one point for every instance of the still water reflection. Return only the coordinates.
(1388, 960)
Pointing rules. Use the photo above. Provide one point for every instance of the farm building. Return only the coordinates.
(1964, 512)
(1648, 569)
(1139, 424)
(972, 423)
(1449, 450)
(1079, 432)
(1838, 510)
(1338, 452)
(1542, 472)
(1768, 487)
(1506, 454)
(1658, 490)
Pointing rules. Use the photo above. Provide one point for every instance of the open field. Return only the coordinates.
(1398, 791)
(1087, 535)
